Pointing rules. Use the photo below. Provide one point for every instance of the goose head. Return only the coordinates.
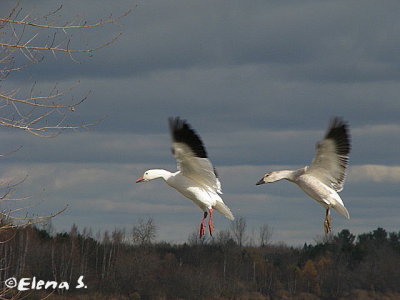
(147, 176)
(153, 174)
(274, 176)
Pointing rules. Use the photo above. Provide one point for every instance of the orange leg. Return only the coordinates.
(210, 222)
(327, 222)
(202, 226)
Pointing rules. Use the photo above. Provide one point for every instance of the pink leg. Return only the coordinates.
(210, 222)
(202, 226)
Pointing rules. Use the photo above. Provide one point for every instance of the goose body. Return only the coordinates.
(325, 176)
(196, 178)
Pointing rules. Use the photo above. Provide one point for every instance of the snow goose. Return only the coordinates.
(196, 178)
(326, 174)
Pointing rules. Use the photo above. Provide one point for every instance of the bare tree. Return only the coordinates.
(144, 232)
(24, 40)
(238, 229)
(265, 234)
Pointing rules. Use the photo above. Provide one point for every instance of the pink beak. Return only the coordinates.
(140, 179)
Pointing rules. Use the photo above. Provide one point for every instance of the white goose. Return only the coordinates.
(326, 174)
(196, 178)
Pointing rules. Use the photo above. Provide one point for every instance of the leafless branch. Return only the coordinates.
(33, 101)
(97, 24)
(25, 220)
(43, 48)
(41, 115)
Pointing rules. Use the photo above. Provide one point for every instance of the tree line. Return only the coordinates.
(134, 266)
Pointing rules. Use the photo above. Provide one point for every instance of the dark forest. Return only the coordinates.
(341, 266)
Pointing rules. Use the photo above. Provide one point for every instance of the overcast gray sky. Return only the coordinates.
(258, 80)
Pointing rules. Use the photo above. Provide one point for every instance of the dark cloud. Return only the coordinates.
(349, 41)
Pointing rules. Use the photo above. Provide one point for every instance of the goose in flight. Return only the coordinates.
(324, 178)
(196, 178)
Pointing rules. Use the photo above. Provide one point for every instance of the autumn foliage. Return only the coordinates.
(341, 267)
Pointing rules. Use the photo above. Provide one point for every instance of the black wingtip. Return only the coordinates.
(338, 130)
(182, 132)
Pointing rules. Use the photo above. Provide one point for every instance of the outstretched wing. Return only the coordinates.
(332, 156)
(191, 156)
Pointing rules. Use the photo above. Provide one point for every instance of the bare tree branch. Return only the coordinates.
(97, 24)
(144, 232)
(44, 48)
(42, 115)
(25, 220)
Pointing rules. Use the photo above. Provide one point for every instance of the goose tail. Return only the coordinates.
(223, 209)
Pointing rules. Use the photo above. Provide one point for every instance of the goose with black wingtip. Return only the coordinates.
(325, 177)
(196, 178)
